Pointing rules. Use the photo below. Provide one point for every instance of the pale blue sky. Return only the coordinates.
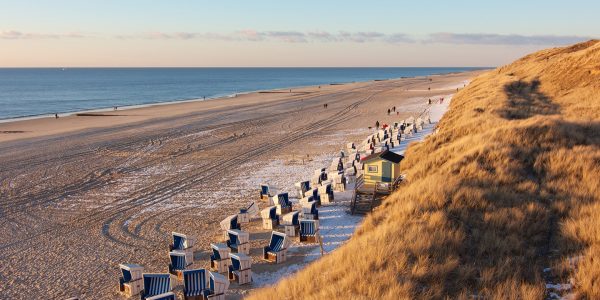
(309, 33)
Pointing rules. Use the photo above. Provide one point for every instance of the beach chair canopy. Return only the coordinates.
(252, 209)
(126, 270)
(177, 261)
(308, 227)
(194, 282)
(230, 222)
(156, 284)
(291, 218)
(240, 261)
(278, 242)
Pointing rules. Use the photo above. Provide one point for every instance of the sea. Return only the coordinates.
(33, 92)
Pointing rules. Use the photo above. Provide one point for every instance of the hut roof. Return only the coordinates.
(386, 155)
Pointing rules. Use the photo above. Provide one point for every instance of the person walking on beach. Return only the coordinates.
(377, 124)
(389, 111)
(56, 116)
(429, 101)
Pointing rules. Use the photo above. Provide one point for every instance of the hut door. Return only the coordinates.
(386, 171)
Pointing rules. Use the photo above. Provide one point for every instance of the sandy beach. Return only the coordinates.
(81, 194)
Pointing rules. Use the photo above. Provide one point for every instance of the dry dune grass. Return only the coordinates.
(509, 186)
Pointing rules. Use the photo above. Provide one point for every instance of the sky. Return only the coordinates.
(307, 33)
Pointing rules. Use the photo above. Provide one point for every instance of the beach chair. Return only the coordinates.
(230, 222)
(246, 214)
(269, 217)
(339, 181)
(302, 187)
(277, 250)
(178, 263)
(314, 192)
(309, 231)
(200, 284)
(131, 283)
(238, 241)
(156, 285)
(240, 268)
(282, 203)
(219, 260)
(326, 193)
(183, 243)
(266, 192)
(350, 146)
(291, 223)
(309, 211)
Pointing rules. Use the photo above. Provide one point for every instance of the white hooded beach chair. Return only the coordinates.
(239, 241)
(269, 217)
(276, 251)
(309, 211)
(156, 285)
(230, 222)
(309, 231)
(302, 187)
(178, 263)
(266, 192)
(219, 259)
(200, 284)
(130, 282)
(291, 223)
(326, 193)
(183, 243)
(282, 203)
(240, 268)
(246, 214)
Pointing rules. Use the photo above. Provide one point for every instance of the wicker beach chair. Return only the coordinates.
(269, 217)
(309, 231)
(282, 203)
(238, 241)
(200, 284)
(179, 262)
(310, 211)
(130, 282)
(291, 223)
(219, 260)
(156, 285)
(276, 251)
(246, 214)
(240, 268)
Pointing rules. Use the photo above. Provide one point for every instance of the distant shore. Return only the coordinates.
(48, 124)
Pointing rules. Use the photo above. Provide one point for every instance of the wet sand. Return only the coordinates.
(81, 194)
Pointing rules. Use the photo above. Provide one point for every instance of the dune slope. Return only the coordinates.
(501, 201)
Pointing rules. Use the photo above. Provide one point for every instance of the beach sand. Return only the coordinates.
(81, 194)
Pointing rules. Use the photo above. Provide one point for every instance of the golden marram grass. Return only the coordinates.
(502, 200)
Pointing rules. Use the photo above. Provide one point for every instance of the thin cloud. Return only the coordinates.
(502, 39)
(19, 35)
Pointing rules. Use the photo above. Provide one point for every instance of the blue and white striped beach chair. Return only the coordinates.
(178, 263)
(282, 203)
(277, 249)
(309, 231)
(231, 222)
(155, 284)
(181, 241)
(266, 192)
(194, 284)
(302, 187)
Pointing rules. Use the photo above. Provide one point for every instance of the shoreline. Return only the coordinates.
(215, 97)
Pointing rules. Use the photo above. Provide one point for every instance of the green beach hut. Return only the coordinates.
(382, 167)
